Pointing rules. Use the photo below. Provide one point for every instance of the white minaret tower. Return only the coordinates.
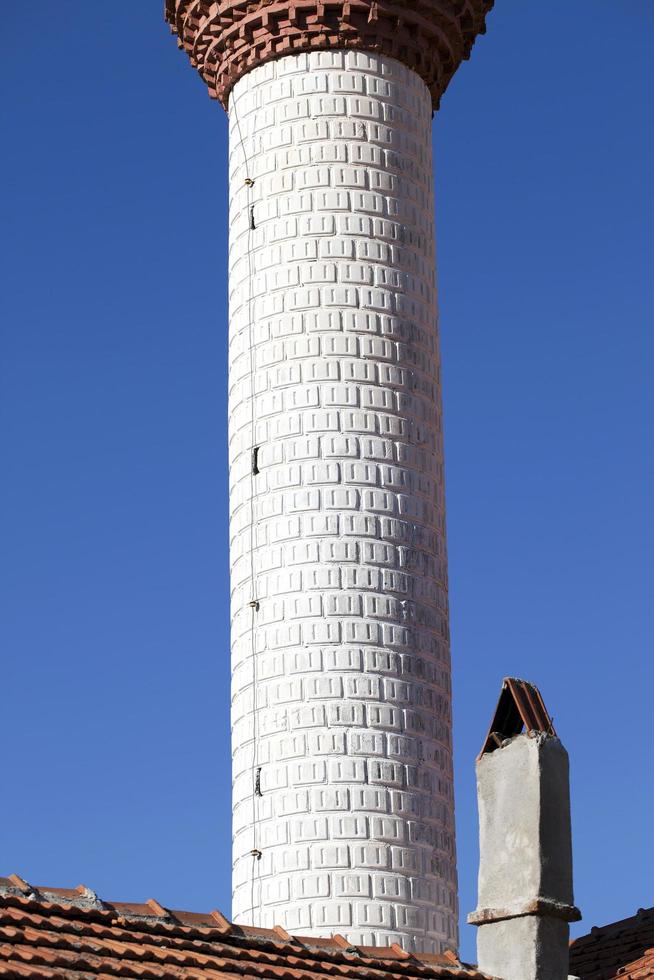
(341, 717)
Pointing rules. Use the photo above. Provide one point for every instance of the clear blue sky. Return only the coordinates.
(114, 627)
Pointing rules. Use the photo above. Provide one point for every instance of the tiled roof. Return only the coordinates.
(620, 951)
(70, 934)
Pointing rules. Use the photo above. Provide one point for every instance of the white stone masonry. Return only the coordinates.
(341, 723)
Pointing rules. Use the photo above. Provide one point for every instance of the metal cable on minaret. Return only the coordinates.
(254, 603)
(343, 809)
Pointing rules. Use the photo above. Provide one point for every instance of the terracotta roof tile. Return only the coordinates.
(623, 950)
(72, 934)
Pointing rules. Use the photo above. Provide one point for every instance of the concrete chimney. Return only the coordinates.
(341, 725)
(525, 899)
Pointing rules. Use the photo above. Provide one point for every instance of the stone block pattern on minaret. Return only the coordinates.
(341, 724)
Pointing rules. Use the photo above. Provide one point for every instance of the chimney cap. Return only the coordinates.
(520, 706)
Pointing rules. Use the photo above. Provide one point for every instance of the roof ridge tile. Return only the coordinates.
(76, 934)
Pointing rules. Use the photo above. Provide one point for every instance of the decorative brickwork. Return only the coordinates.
(228, 38)
(341, 686)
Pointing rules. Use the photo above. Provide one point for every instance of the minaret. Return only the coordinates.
(341, 701)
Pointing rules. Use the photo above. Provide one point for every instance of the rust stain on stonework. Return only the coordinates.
(226, 39)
